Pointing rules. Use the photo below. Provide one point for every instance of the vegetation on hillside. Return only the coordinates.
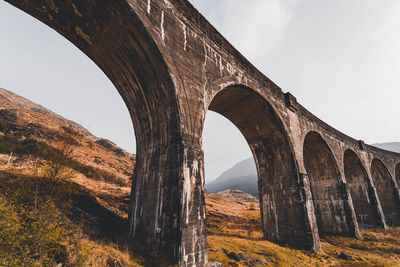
(235, 238)
(71, 209)
(45, 222)
(64, 193)
(58, 157)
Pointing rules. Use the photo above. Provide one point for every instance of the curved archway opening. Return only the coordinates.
(386, 192)
(228, 161)
(282, 211)
(71, 159)
(360, 190)
(124, 50)
(324, 175)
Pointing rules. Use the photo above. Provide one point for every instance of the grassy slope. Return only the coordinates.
(232, 226)
(46, 221)
(81, 222)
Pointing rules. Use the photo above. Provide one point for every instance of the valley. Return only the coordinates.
(79, 217)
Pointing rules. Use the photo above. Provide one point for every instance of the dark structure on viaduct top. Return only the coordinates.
(171, 66)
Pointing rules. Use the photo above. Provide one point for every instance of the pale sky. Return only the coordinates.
(340, 58)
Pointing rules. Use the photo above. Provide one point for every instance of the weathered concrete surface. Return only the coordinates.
(282, 201)
(171, 66)
(327, 187)
(387, 192)
(362, 192)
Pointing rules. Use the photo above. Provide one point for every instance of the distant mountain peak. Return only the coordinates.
(390, 146)
(242, 176)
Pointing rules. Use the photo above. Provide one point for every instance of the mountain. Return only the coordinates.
(242, 176)
(393, 146)
(26, 126)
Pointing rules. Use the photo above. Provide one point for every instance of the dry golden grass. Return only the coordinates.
(99, 255)
(232, 226)
(38, 213)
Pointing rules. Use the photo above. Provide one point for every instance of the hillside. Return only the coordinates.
(80, 218)
(242, 176)
(393, 146)
(24, 123)
(235, 238)
(64, 193)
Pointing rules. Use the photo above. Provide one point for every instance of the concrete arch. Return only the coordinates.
(326, 186)
(387, 192)
(360, 190)
(230, 81)
(113, 35)
(283, 213)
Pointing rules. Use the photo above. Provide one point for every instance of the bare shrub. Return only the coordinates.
(58, 160)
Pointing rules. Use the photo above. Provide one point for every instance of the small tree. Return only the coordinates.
(58, 160)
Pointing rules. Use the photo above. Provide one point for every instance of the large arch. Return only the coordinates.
(327, 190)
(116, 39)
(360, 190)
(282, 203)
(387, 192)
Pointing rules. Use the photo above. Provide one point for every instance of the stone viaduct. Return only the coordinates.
(170, 67)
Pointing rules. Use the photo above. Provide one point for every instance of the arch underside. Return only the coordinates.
(114, 37)
(322, 170)
(387, 192)
(281, 202)
(361, 191)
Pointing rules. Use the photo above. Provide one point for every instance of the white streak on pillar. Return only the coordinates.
(187, 188)
(162, 25)
(184, 36)
(148, 6)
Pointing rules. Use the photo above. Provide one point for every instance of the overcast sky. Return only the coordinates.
(340, 58)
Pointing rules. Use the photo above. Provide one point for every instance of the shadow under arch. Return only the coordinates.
(114, 37)
(360, 190)
(397, 174)
(283, 212)
(326, 187)
(387, 192)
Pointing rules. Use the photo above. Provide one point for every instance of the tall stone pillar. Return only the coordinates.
(311, 226)
(373, 194)
(168, 206)
(349, 209)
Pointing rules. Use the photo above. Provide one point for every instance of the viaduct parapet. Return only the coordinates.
(171, 66)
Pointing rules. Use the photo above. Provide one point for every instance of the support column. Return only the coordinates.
(193, 250)
(167, 205)
(351, 217)
(373, 194)
(311, 221)
(396, 186)
(284, 202)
